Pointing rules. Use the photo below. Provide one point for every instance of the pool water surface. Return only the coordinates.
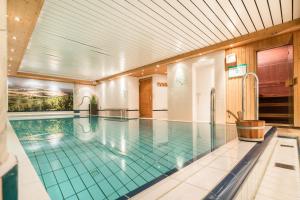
(100, 158)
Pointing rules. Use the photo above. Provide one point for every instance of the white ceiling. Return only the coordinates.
(92, 39)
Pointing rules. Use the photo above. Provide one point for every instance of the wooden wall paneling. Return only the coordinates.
(246, 54)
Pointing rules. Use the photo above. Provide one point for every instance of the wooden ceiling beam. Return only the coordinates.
(51, 78)
(22, 16)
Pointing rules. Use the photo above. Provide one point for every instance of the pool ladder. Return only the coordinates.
(213, 106)
(90, 106)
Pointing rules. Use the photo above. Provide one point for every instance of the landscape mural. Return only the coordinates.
(28, 95)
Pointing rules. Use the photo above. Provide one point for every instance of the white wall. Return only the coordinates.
(79, 92)
(189, 85)
(203, 82)
(180, 103)
(208, 73)
(3, 82)
(159, 97)
(120, 93)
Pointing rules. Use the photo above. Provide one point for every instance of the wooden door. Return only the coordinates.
(145, 97)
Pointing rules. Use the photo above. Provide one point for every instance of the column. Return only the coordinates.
(3, 80)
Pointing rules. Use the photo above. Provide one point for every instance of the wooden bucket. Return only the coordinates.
(251, 130)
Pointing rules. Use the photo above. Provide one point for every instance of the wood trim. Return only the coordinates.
(28, 12)
(239, 41)
(51, 78)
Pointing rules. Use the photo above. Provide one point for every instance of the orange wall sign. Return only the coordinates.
(159, 84)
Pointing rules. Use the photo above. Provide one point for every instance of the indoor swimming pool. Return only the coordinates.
(105, 158)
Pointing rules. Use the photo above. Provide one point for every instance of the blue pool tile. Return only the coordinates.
(115, 182)
(60, 175)
(136, 167)
(123, 177)
(54, 193)
(66, 189)
(42, 159)
(113, 196)
(65, 162)
(49, 179)
(131, 173)
(96, 192)
(71, 172)
(131, 185)
(98, 177)
(84, 195)
(74, 197)
(51, 156)
(139, 181)
(122, 191)
(45, 168)
(147, 176)
(105, 171)
(87, 179)
(106, 187)
(77, 183)
(80, 168)
(55, 164)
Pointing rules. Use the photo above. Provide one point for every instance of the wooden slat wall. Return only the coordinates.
(247, 55)
(296, 42)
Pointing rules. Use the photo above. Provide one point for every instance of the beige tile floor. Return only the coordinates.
(279, 183)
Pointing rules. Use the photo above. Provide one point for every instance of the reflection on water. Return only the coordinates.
(132, 151)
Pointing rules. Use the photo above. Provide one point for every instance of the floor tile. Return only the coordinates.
(207, 178)
(185, 191)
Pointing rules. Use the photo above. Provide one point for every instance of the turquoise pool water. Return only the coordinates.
(101, 158)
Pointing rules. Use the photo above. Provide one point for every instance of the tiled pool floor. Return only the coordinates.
(80, 158)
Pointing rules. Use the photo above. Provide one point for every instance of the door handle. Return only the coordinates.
(291, 82)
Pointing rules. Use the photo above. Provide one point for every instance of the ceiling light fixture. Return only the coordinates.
(157, 66)
(12, 50)
(231, 45)
(10, 59)
(14, 37)
(17, 19)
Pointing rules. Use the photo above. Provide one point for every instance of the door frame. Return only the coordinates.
(291, 99)
(151, 96)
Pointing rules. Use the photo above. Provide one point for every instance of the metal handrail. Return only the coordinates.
(213, 106)
(256, 94)
(90, 106)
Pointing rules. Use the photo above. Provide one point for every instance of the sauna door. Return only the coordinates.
(145, 89)
(275, 72)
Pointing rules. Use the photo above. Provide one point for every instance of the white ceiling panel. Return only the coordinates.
(296, 9)
(275, 7)
(93, 39)
(264, 11)
(286, 10)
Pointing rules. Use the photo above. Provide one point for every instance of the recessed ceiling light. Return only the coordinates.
(12, 50)
(157, 66)
(14, 37)
(17, 19)
(231, 45)
(10, 59)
